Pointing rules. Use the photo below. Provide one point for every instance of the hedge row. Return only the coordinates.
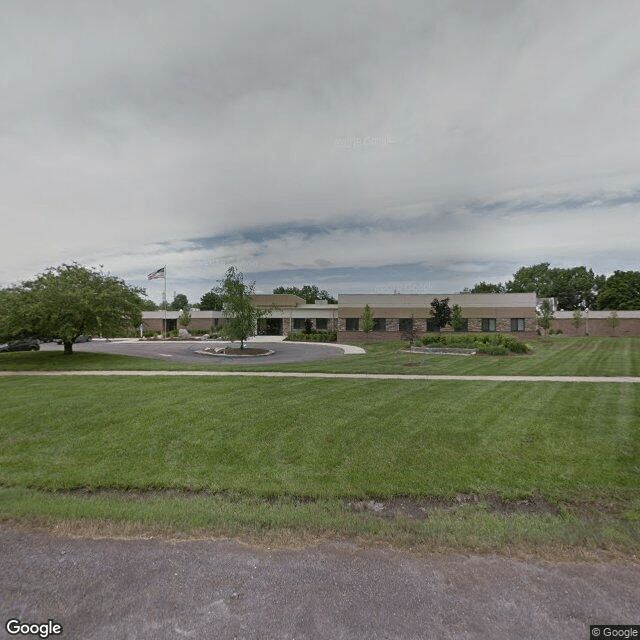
(491, 343)
(314, 336)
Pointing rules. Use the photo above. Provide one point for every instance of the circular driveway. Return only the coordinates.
(185, 351)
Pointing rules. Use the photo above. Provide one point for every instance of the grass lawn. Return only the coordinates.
(453, 464)
(550, 356)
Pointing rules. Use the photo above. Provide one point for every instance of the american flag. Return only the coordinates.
(156, 274)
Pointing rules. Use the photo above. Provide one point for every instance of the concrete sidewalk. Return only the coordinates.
(359, 376)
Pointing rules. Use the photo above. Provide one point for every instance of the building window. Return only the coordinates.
(322, 324)
(405, 324)
(379, 324)
(488, 324)
(298, 324)
(517, 324)
(352, 324)
(464, 325)
(432, 325)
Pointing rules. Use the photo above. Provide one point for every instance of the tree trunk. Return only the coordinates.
(68, 348)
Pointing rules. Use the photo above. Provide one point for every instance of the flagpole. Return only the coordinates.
(164, 326)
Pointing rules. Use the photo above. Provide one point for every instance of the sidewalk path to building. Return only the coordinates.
(361, 376)
(165, 589)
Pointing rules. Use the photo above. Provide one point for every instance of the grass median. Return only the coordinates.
(457, 464)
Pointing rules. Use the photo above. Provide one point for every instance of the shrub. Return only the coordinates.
(492, 350)
(478, 341)
(314, 336)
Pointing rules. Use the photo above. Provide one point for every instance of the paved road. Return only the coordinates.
(157, 589)
(185, 351)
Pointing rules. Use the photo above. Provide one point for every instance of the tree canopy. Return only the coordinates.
(574, 287)
(237, 305)
(309, 292)
(620, 291)
(180, 302)
(486, 287)
(211, 301)
(68, 301)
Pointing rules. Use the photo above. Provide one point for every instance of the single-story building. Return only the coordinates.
(394, 315)
(287, 313)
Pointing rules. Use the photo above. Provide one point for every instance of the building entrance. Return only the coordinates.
(270, 327)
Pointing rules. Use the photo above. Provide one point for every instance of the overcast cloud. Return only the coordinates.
(357, 145)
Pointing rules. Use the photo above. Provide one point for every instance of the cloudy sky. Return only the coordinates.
(360, 145)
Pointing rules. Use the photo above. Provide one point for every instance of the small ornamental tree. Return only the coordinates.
(457, 321)
(367, 319)
(441, 312)
(237, 305)
(578, 319)
(185, 317)
(68, 301)
(613, 321)
(411, 333)
(544, 316)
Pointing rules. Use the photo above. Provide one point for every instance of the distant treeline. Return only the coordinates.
(574, 288)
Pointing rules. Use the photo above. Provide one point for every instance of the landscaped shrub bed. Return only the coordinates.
(313, 336)
(494, 344)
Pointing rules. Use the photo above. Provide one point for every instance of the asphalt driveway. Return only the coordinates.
(185, 351)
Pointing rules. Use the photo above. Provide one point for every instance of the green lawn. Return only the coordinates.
(251, 454)
(550, 356)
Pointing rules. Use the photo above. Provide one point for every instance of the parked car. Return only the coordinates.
(26, 344)
(83, 339)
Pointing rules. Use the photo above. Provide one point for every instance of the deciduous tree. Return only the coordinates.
(309, 293)
(68, 301)
(237, 305)
(179, 302)
(441, 312)
(620, 291)
(367, 319)
(211, 301)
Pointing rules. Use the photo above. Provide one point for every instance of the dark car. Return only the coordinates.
(26, 344)
(83, 339)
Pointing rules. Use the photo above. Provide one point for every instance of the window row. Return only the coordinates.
(322, 324)
(488, 325)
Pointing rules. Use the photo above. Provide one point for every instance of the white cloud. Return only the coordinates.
(126, 129)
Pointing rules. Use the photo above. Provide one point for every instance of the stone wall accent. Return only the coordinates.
(475, 324)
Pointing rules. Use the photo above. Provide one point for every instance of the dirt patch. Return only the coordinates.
(418, 509)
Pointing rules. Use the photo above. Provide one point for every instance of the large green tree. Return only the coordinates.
(68, 301)
(211, 301)
(237, 305)
(574, 287)
(620, 291)
(486, 287)
(179, 303)
(309, 292)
